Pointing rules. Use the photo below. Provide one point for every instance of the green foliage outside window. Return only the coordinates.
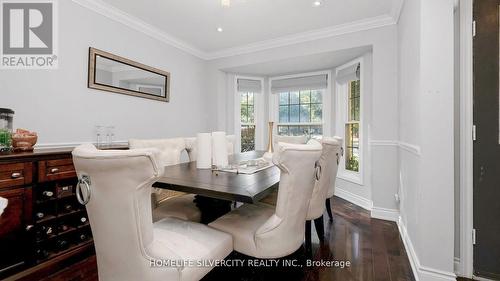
(247, 115)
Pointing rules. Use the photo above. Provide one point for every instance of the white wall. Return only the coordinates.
(382, 124)
(426, 68)
(59, 106)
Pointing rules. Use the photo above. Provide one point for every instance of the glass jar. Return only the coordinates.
(6, 118)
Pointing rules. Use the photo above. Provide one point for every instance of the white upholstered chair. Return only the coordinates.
(273, 195)
(328, 164)
(289, 139)
(262, 231)
(126, 240)
(331, 190)
(169, 203)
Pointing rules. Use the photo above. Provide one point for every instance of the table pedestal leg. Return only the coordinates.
(211, 208)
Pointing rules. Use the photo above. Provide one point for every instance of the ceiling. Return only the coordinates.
(321, 61)
(192, 24)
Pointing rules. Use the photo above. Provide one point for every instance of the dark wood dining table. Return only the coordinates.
(216, 190)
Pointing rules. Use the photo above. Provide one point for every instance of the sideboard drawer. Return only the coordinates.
(56, 169)
(15, 174)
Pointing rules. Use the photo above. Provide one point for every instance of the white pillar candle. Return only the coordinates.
(204, 151)
(219, 149)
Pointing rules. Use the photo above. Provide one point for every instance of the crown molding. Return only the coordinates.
(118, 15)
(137, 24)
(356, 26)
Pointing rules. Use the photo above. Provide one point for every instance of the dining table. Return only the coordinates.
(216, 190)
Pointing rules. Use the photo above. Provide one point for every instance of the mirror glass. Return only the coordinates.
(112, 73)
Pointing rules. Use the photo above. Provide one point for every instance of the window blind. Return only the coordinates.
(349, 73)
(313, 82)
(247, 85)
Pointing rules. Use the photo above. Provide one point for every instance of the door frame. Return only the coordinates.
(465, 266)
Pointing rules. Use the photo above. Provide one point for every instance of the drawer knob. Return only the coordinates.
(15, 175)
(54, 170)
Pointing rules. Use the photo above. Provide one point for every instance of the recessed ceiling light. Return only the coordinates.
(317, 3)
(219, 29)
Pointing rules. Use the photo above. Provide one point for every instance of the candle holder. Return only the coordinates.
(269, 153)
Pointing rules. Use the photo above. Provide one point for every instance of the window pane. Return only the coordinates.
(244, 114)
(282, 130)
(250, 98)
(316, 96)
(283, 113)
(294, 98)
(294, 113)
(316, 130)
(243, 99)
(305, 130)
(250, 114)
(305, 113)
(247, 138)
(352, 147)
(305, 96)
(283, 98)
(294, 131)
(300, 107)
(356, 109)
(354, 101)
(316, 113)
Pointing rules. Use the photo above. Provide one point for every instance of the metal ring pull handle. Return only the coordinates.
(85, 180)
(317, 173)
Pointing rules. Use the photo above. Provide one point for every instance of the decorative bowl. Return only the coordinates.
(23, 142)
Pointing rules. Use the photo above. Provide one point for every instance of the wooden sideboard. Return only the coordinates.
(44, 228)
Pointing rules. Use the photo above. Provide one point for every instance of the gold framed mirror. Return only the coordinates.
(112, 73)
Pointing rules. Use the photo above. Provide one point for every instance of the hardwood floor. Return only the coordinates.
(373, 247)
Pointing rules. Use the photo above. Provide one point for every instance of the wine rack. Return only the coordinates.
(60, 222)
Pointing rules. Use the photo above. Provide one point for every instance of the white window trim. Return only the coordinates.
(341, 119)
(258, 113)
(327, 101)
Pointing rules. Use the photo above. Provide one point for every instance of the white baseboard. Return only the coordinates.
(385, 214)
(457, 266)
(354, 198)
(421, 273)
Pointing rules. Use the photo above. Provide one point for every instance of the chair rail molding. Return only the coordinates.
(412, 148)
(72, 144)
(133, 22)
(384, 143)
